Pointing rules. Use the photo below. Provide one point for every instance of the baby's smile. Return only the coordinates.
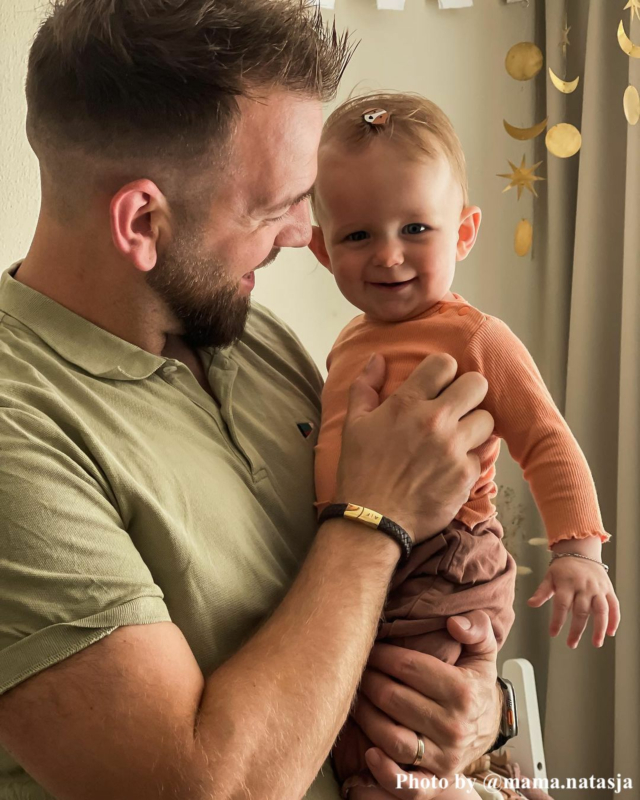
(391, 226)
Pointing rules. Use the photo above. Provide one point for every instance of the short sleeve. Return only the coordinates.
(69, 572)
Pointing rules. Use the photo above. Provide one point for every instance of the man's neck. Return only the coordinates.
(88, 279)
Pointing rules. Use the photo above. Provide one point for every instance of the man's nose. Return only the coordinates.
(297, 230)
(388, 254)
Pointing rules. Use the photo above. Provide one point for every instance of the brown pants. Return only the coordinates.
(457, 571)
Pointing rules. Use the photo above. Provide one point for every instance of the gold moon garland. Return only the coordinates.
(634, 5)
(632, 105)
(523, 134)
(566, 87)
(563, 140)
(564, 42)
(524, 61)
(626, 44)
(524, 239)
(522, 177)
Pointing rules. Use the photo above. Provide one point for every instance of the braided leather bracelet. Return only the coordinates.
(373, 520)
(577, 555)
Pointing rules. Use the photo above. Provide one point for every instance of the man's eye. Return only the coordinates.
(415, 227)
(358, 236)
(278, 219)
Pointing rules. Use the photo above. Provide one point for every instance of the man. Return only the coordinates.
(172, 623)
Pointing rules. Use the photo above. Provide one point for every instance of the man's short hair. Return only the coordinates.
(158, 80)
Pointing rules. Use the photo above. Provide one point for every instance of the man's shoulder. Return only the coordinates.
(27, 364)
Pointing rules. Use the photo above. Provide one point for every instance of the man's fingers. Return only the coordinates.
(475, 428)
(462, 396)
(397, 781)
(364, 392)
(411, 710)
(426, 674)
(430, 377)
(398, 743)
(475, 632)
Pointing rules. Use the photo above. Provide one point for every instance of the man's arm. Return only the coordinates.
(133, 717)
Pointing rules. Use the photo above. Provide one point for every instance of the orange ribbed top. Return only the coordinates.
(525, 415)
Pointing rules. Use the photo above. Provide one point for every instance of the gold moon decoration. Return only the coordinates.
(522, 134)
(564, 140)
(523, 571)
(538, 542)
(524, 237)
(632, 105)
(524, 61)
(566, 87)
(626, 44)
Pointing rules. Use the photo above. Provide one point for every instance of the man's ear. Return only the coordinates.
(139, 216)
(318, 248)
(468, 231)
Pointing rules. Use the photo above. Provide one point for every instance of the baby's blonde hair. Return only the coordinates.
(414, 123)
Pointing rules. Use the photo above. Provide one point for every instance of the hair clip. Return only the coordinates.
(376, 116)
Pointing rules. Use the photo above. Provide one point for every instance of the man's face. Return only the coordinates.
(206, 272)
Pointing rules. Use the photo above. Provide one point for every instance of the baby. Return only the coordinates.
(394, 218)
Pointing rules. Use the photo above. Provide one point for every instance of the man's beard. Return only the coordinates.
(200, 295)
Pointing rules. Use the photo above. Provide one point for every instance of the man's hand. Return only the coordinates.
(410, 458)
(456, 709)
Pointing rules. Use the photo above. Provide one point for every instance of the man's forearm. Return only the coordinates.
(269, 716)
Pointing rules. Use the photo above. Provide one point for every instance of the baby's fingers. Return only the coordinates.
(614, 614)
(581, 612)
(600, 610)
(543, 593)
(561, 605)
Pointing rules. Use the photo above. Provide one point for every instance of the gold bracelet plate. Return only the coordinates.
(362, 514)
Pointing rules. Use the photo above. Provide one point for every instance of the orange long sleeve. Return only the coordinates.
(525, 415)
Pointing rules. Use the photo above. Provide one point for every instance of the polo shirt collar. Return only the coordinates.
(74, 338)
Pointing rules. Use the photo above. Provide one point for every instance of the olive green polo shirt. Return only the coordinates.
(129, 496)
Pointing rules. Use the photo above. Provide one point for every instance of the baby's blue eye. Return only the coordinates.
(357, 236)
(415, 227)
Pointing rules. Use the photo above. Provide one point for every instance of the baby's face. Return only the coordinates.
(390, 226)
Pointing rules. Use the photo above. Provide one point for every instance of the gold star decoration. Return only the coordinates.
(634, 5)
(522, 177)
(564, 42)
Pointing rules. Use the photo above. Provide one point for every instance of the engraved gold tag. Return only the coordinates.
(364, 515)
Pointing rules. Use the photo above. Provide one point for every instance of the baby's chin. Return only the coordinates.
(391, 312)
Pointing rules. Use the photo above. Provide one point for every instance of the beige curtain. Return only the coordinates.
(589, 221)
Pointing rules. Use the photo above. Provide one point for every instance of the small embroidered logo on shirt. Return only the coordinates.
(305, 428)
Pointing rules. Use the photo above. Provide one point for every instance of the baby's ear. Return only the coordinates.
(317, 247)
(468, 231)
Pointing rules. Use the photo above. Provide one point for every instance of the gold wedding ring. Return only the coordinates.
(419, 752)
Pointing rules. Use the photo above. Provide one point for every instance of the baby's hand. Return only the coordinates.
(584, 587)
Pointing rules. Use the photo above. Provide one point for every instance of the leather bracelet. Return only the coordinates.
(577, 555)
(373, 520)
